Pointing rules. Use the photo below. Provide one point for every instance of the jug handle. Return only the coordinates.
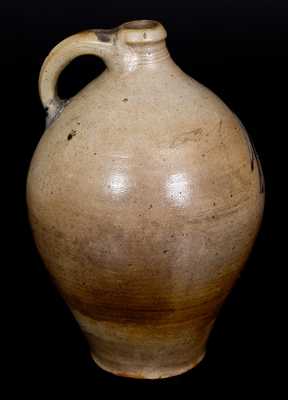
(98, 42)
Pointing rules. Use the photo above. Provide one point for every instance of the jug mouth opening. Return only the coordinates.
(141, 24)
(142, 31)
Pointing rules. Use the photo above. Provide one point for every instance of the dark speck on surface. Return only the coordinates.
(103, 36)
(165, 251)
(71, 134)
(125, 100)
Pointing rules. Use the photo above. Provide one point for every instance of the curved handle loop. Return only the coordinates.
(99, 42)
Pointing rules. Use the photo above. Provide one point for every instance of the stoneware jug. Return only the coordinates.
(145, 196)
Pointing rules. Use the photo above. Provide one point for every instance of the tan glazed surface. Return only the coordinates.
(145, 197)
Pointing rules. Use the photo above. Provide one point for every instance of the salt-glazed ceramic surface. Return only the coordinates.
(145, 197)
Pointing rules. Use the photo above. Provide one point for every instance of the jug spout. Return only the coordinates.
(139, 42)
(142, 31)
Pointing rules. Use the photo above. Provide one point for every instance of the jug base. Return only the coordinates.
(142, 374)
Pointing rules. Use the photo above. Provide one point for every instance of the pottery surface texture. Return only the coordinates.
(145, 196)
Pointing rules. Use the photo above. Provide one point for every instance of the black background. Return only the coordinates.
(236, 48)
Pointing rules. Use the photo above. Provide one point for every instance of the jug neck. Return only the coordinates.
(149, 53)
(134, 44)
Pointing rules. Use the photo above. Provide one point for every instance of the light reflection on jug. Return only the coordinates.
(118, 184)
(178, 189)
